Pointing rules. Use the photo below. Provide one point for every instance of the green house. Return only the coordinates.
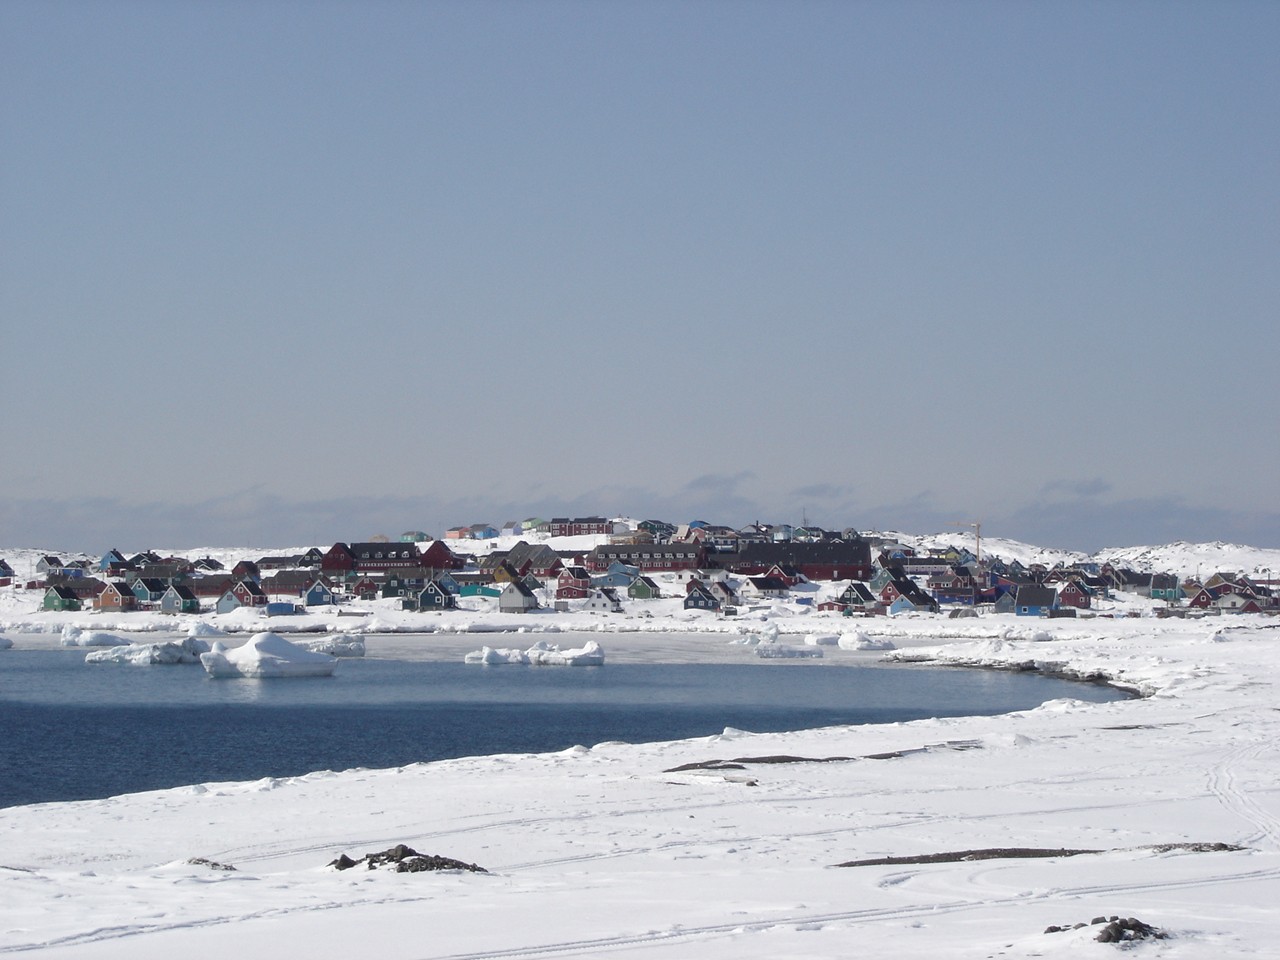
(60, 598)
(642, 588)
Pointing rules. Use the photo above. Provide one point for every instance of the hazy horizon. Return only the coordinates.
(294, 273)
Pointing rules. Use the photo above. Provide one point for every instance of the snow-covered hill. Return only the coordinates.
(1184, 559)
(1192, 559)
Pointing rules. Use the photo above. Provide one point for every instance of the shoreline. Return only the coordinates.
(727, 862)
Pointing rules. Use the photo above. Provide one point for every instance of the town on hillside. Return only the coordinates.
(716, 569)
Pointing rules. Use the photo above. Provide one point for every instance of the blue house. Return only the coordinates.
(479, 590)
(112, 559)
(434, 597)
(318, 594)
(700, 597)
(149, 589)
(613, 581)
(1035, 601)
(908, 603)
(227, 602)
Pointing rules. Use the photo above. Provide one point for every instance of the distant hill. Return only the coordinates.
(1184, 559)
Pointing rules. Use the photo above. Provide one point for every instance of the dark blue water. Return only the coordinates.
(72, 731)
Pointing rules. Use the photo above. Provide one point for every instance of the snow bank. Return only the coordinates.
(75, 637)
(266, 655)
(821, 640)
(145, 654)
(541, 654)
(860, 641)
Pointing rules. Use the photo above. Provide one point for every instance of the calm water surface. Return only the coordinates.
(74, 731)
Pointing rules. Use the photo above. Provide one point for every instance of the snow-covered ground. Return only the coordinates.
(609, 850)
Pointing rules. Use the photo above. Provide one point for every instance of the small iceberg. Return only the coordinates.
(146, 654)
(541, 654)
(75, 637)
(267, 655)
(771, 650)
(338, 645)
(5, 643)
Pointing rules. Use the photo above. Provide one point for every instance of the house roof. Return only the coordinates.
(1036, 596)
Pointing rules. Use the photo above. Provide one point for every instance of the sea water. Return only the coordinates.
(71, 730)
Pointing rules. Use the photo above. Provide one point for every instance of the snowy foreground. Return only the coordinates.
(605, 851)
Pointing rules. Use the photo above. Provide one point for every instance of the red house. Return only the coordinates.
(1071, 594)
(574, 583)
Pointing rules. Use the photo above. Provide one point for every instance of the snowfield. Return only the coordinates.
(729, 846)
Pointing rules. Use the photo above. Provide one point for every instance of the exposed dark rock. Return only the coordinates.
(1022, 853)
(211, 864)
(959, 856)
(1117, 930)
(739, 763)
(404, 859)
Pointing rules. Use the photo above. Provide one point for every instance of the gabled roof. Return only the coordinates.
(1036, 596)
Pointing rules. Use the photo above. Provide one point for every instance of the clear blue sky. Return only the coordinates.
(299, 272)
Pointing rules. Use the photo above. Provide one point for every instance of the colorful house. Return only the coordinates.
(643, 588)
(117, 597)
(1035, 601)
(433, 596)
(60, 598)
(574, 583)
(179, 599)
(318, 594)
(699, 597)
(1073, 594)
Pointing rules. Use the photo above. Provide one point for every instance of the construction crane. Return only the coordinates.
(976, 526)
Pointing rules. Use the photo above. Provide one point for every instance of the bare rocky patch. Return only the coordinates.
(404, 859)
(1029, 853)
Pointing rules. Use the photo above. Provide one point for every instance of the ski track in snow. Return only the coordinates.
(701, 932)
(1225, 786)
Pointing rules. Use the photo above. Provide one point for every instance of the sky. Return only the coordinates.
(290, 273)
